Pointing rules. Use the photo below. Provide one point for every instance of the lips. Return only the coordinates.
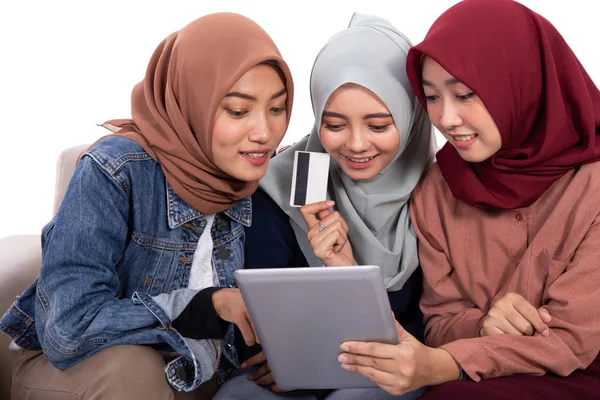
(464, 141)
(360, 159)
(464, 138)
(359, 162)
(256, 158)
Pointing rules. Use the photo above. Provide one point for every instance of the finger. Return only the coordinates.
(531, 314)
(377, 376)
(323, 214)
(309, 211)
(519, 322)
(545, 315)
(277, 389)
(381, 364)
(335, 217)
(506, 327)
(246, 330)
(329, 227)
(256, 359)
(260, 373)
(492, 330)
(325, 245)
(266, 380)
(373, 349)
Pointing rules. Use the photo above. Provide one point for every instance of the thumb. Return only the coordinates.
(403, 335)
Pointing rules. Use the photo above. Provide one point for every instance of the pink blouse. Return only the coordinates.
(549, 253)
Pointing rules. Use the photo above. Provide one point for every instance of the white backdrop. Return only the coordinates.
(67, 65)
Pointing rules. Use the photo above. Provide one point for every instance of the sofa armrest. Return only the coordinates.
(20, 263)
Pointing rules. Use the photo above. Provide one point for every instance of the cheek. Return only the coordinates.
(224, 134)
(329, 140)
(278, 125)
(390, 142)
(434, 112)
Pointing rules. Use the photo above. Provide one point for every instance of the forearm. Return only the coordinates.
(506, 355)
(462, 324)
(69, 335)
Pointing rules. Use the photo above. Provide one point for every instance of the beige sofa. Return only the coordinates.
(20, 263)
(21, 259)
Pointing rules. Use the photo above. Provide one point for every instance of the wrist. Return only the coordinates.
(442, 367)
(217, 299)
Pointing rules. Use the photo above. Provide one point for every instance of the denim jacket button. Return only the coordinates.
(182, 373)
(223, 253)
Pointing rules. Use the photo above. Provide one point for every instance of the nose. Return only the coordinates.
(260, 131)
(450, 118)
(357, 142)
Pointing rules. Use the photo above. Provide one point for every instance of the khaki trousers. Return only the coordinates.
(124, 372)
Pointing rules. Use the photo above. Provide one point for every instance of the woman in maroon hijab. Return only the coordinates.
(508, 219)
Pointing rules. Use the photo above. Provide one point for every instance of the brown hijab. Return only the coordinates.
(173, 108)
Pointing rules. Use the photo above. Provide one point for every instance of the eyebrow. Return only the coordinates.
(253, 98)
(377, 115)
(447, 82)
(332, 114)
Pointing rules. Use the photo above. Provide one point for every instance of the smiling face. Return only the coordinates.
(459, 114)
(250, 123)
(358, 131)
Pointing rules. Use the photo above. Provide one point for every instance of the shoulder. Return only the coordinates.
(432, 186)
(113, 152)
(590, 170)
(585, 184)
(265, 210)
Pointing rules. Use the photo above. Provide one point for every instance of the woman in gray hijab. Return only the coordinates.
(380, 140)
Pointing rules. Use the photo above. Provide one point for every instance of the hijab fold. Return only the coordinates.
(173, 108)
(545, 105)
(370, 53)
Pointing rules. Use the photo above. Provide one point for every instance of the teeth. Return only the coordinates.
(255, 155)
(360, 160)
(463, 138)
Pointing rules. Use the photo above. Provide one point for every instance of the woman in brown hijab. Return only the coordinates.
(136, 296)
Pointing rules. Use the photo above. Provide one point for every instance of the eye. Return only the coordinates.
(431, 99)
(379, 128)
(332, 127)
(236, 113)
(465, 97)
(277, 110)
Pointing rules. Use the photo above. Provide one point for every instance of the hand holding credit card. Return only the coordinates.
(309, 178)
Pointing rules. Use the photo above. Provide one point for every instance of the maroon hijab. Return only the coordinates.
(544, 103)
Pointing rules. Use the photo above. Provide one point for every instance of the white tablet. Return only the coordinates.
(302, 315)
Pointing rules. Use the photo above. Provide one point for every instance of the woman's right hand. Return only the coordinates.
(230, 306)
(328, 234)
(514, 315)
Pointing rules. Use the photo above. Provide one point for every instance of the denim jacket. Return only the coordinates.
(116, 263)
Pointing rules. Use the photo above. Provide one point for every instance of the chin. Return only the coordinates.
(360, 176)
(474, 158)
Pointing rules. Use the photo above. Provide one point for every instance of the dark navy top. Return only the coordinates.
(271, 243)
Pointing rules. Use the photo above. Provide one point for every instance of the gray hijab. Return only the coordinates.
(370, 53)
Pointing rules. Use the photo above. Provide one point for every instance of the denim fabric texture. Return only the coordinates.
(116, 263)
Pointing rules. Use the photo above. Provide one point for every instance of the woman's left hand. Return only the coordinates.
(400, 368)
(262, 375)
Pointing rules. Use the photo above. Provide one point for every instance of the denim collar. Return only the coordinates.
(180, 212)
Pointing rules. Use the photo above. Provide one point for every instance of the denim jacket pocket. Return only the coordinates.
(159, 258)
